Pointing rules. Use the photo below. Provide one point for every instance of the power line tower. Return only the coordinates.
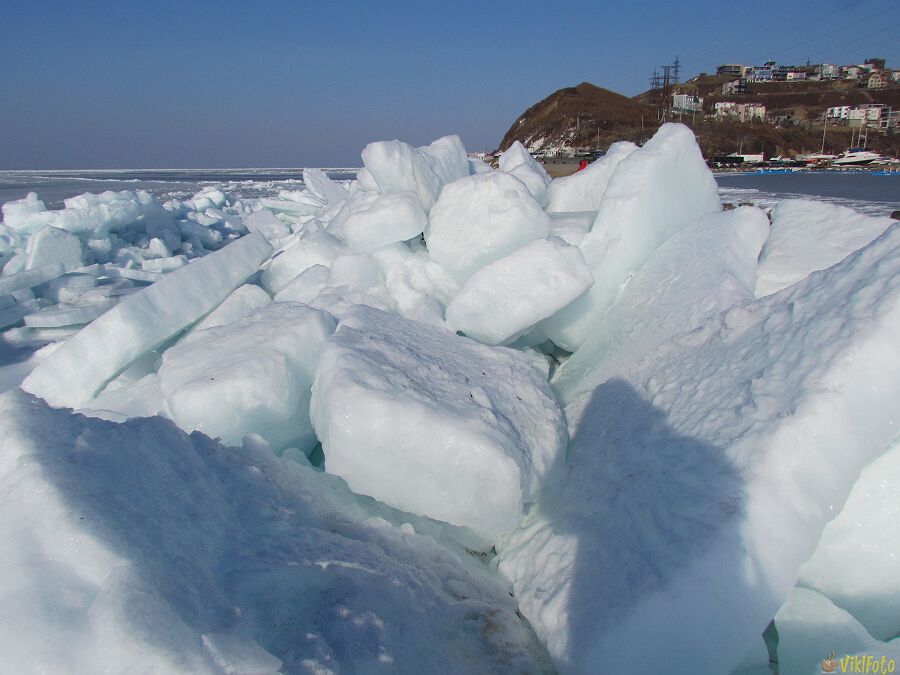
(676, 69)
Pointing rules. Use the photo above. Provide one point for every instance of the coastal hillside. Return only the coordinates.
(574, 116)
(593, 117)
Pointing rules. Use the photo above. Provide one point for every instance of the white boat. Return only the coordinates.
(814, 157)
(857, 157)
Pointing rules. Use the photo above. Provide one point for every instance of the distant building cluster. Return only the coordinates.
(870, 74)
(871, 115)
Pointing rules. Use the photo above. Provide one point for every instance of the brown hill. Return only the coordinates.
(575, 116)
(604, 117)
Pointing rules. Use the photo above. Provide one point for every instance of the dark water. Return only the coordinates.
(55, 186)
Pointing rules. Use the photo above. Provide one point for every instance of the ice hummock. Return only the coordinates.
(700, 479)
(135, 547)
(504, 299)
(480, 219)
(653, 192)
(810, 235)
(705, 425)
(77, 371)
(249, 376)
(433, 423)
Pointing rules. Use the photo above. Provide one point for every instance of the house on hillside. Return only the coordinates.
(875, 81)
(851, 72)
(742, 112)
(735, 87)
(687, 103)
(732, 69)
(760, 74)
(828, 71)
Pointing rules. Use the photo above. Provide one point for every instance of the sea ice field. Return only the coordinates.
(429, 416)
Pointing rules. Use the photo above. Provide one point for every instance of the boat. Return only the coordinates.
(816, 157)
(857, 157)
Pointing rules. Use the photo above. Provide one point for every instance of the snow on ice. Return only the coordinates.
(650, 471)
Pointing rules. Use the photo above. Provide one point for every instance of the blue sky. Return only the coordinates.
(270, 83)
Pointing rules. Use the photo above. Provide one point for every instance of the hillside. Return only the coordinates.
(572, 116)
(605, 117)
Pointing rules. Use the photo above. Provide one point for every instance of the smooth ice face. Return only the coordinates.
(396, 166)
(509, 296)
(810, 235)
(856, 564)
(653, 193)
(265, 222)
(323, 187)
(304, 251)
(305, 286)
(480, 219)
(370, 221)
(433, 423)
(706, 268)
(53, 245)
(584, 190)
(700, 479)
(128, 547)
(74, 373)
(516, 160)
(239, 304)
(251, 376)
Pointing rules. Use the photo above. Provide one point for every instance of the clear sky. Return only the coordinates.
(239, 83)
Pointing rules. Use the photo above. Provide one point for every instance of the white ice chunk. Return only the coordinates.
(504, 299)
(323, 187)
(142, 398)
(304, 251)
(164, 265)
(434, 423)
(370, 221)
(19, 214)
(68, 314)
(700, 480)
(73, 374)
(305, 286)
(516, 160)
(478, 166)
(69, 286)
(251, 376)
(239, 304)
(810, 235)
(811, 630)
(572, 226)
(95, 215)
(654, 192)
(396, 166)
(265, 222)
(357, 271)
(584, 190)
(706, 268)
(30, 278)
(53, 245)
(480, 219)
(856, 564)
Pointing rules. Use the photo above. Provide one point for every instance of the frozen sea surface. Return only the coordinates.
(53, 186)
(867, 193)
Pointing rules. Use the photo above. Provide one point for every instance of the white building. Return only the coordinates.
(828, 71)
(838, 112)
(687, 103)
(742, 112)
